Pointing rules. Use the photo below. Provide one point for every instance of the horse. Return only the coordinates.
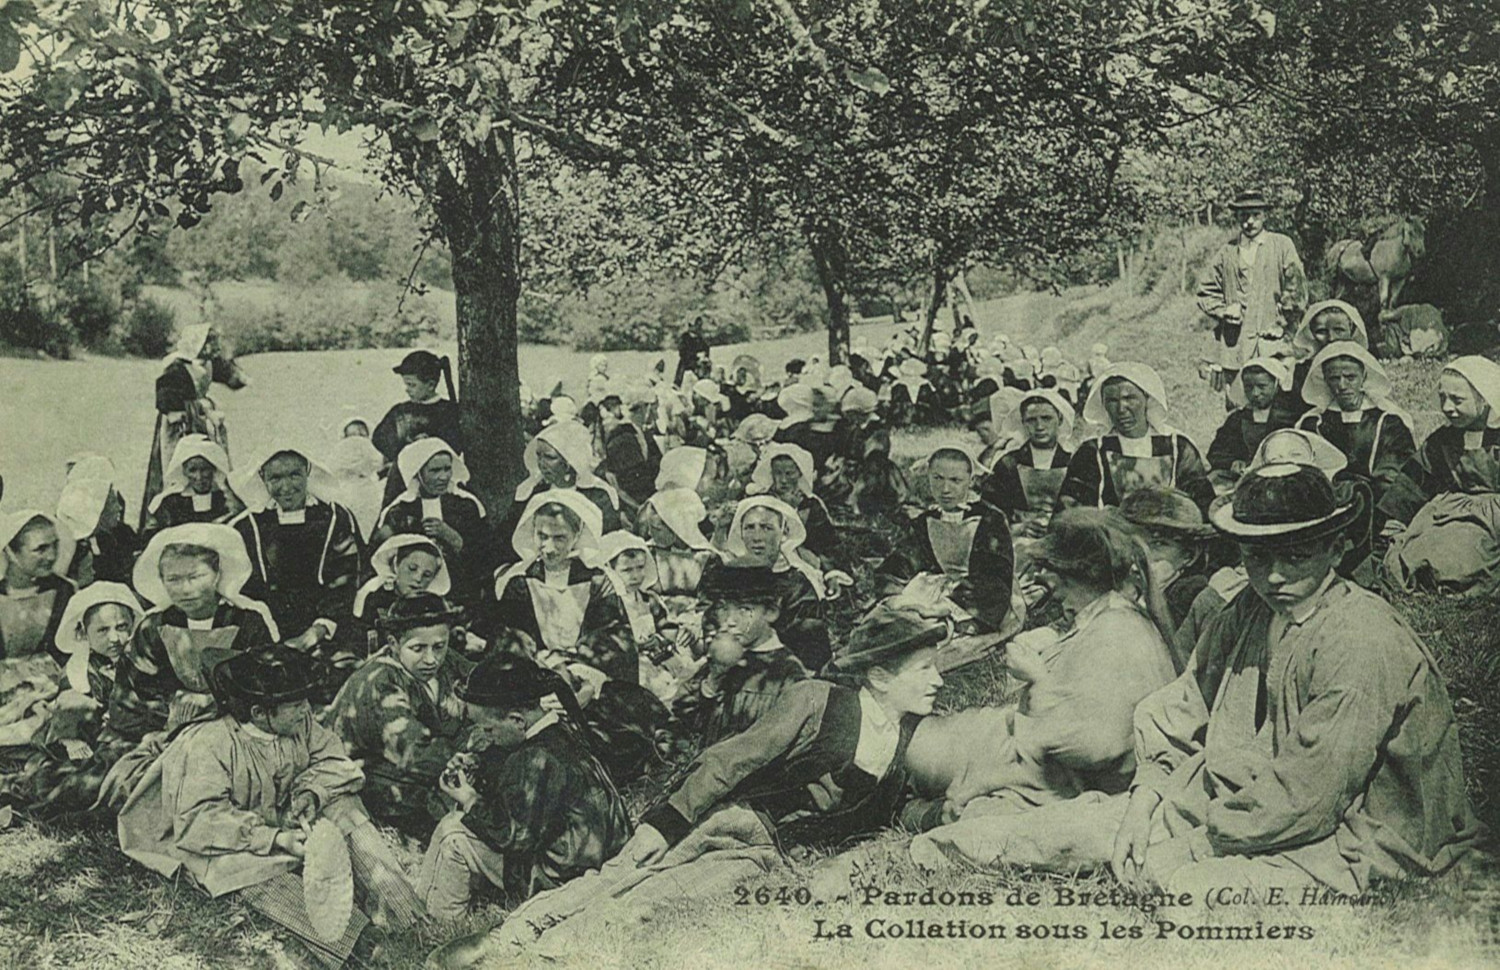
(1385, 261)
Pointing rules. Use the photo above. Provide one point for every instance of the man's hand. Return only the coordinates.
(645, 847)
(292, 842)
(304, 808)
(1129, 856)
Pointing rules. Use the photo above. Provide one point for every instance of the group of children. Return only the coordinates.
(263, 664)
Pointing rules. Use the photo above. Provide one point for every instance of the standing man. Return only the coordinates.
(1254, 286)
(692, 351)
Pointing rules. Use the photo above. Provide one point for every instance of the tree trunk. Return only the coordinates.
(832, 264)
(939, 281)
(25, 260)
(1489, 160)
(479, 215)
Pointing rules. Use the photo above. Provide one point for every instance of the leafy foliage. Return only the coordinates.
(149, 329)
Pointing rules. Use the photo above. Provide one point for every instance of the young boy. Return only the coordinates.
(748, 665)
(231, 799)
(965, 546)
(534, 806)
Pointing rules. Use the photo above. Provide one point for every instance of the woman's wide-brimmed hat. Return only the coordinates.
(1303, 343)
(1483, 375)
(761, 480)
(72, 639)
(1142, 376)
(267, 675)
(757, 429)
(886, 635)
(174, 478)
(708, 389)
(591, 521)
(253, 492)
(81, 504)
(1285, 503)
(574, 443)
(615, 544)
(1279, 369)
(1165, 510)
(682, 467)
(234, 561)
(1299, 447)
(858, 399)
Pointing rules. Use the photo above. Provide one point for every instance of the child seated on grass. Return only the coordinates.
(535, 807)
(231, 801)
(1258, 392)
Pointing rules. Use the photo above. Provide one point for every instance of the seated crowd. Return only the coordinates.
(299, 656)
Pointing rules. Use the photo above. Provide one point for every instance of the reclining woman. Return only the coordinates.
(400, 717)
(826, 764)
(1070, 730)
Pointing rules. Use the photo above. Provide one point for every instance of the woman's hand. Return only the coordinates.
(1024, 656)
(440, 531)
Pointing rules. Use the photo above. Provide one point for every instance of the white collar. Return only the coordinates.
(1135, 447)
(879, 736)
(1473, 440)
(202, 503)
(207, 624)
(294, 517)
(1042, 457)
(1261, 416)
(542, 724)
(1355, 417)
(256, 732)
(432, 508)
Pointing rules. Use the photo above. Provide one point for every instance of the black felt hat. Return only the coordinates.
(423, 609)
(420, 363)
(509, 682)
(741, 583)
(267, 675)
(1286, 503)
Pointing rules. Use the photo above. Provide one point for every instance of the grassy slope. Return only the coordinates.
(69, 899)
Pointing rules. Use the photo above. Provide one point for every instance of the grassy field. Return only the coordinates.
(69, 899)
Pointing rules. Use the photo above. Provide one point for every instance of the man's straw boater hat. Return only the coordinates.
(1285, 503)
